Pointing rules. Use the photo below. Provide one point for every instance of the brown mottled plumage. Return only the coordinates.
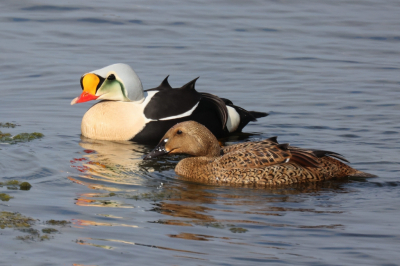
(263, 162)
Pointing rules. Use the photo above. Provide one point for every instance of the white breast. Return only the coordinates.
(115, 120)
(112, 120)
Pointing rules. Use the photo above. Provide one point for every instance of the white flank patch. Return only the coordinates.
(233, 119)
(181, 115)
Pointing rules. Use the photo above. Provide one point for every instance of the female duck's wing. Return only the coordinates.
(321, 153)
(260, 156)
(264, 143)
(254, 155)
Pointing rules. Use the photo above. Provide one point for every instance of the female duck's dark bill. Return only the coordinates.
(159, 150)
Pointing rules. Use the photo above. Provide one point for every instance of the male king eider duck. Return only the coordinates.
(129, 113)
(259, 163)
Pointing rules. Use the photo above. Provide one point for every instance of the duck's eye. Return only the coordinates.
(179, 132)
(111, 77)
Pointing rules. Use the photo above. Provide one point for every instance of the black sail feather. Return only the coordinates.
(190, 85)
(163, 86)
(172, 102)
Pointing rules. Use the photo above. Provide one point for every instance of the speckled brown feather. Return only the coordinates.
(266, 142)
(260, 163)
(208, 170)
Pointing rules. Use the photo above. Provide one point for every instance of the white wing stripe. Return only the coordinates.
(182, 115)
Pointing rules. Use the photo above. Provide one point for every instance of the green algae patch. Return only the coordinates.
(214, 225)
(30, 231)
(15, 184)
(238, 230)
(5, 136)
(25, 238)
(25, 225)
(49, 231)
(22, 137)
(12, 183)
(57, 222)
(25, 137)
(15, 220)
(32, 235)
(8, 125)
(25, 186)
(5, 197)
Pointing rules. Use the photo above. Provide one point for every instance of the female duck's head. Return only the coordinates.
(187, 137)
(116, 82)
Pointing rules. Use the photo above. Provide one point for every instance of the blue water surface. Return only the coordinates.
(326, 71)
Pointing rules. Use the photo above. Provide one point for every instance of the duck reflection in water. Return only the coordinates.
(112, 161)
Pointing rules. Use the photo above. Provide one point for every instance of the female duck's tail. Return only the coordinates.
(357, 173)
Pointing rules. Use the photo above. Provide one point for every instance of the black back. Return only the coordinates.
(172, 102)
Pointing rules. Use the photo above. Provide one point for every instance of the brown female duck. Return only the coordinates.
(263, 162)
